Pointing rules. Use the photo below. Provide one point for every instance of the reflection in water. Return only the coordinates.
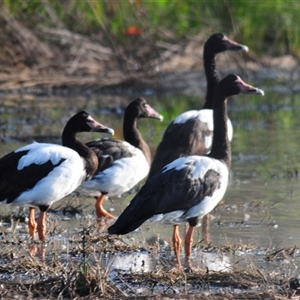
(139, 261)
(260, 208)
(135, 262)
(143, 261)
(211, 261)
(38, 251)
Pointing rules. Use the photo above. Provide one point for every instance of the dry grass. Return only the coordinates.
(79, 273)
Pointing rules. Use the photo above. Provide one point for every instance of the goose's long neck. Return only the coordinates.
(212, 78)
(133, 136)
(89, 157)
(220, 146)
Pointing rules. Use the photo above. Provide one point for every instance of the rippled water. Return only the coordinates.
(260, 208)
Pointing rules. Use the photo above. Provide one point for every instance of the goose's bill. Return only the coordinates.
(152, 113)
(98, 127)
(234, 46)
(246, 88)
(107, 130)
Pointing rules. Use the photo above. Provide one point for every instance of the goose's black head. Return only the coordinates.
(139, 108)
(83, 122)
(218, 42)
(233, 85)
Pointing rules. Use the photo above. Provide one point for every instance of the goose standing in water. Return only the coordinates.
(39, 174)
(189, 187)
(122, 164)
(191, 132)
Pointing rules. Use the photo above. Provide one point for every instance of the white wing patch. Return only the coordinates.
(40, 153)
(201, 165)
(122, 176)
(60, 182)
(205, 116)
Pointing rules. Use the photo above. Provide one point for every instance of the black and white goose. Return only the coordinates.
(191, 132)
(189, 187)
(39, 174)
(122, 164)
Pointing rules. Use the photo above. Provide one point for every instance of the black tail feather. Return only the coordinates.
(121, 228)
(134, 215)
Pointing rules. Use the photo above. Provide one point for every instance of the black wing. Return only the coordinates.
(166, 192)
(108, 151)
(14, 182)
(180, 140)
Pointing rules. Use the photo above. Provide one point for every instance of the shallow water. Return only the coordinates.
(260, 208)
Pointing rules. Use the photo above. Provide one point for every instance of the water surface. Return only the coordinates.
(260, 208)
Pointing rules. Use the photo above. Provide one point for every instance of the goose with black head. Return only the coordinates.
(39, 174)
(122, 164)
(189, 187)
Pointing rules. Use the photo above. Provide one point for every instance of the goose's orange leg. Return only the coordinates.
(41, 225)
(188, 243)
(100, 211)
(177, 243)
(205, 229)
(36, 251)
(32, 223)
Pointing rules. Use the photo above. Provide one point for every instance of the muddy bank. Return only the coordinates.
(57, 61)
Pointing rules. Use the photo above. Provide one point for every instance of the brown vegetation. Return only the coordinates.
(26, 271)
(56, 57)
